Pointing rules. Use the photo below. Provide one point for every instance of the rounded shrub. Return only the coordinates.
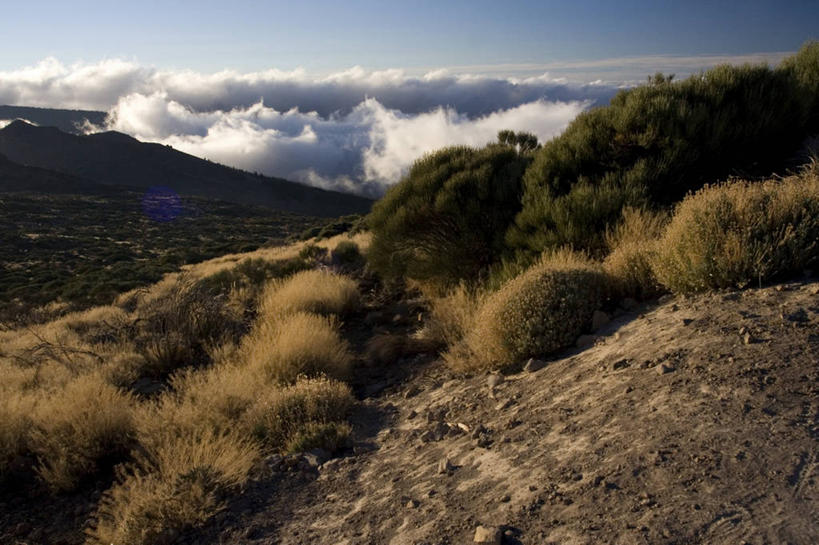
(317, 290)
(543, 310)
(633, 245)
(739, 233)
(298, 344)
(446, 220)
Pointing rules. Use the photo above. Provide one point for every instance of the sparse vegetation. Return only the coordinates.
(658, 141)
(741, 233)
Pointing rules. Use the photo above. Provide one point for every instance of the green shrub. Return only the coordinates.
(661, 140)
(346, 252)
(739, 233)
(312, 252)
(446, 220)
(543, 310)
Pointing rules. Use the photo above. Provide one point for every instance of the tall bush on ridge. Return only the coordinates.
(446, 220)
(656, 142)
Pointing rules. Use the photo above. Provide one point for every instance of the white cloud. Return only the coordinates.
(363, 151)
(355, 130)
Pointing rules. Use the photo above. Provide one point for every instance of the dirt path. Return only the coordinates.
(695, 422)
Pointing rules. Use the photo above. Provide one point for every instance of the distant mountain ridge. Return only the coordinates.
(66, 120)
(113, 158)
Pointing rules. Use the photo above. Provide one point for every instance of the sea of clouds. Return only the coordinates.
(355, 130)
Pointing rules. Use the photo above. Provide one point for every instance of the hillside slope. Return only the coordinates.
(115, 158)
(65, 120)
(695, 422)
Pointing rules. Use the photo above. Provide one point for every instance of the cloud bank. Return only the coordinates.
(354, 130)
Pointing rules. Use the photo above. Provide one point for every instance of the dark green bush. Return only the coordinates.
(662, 140)
(346, 252)
(446, 220)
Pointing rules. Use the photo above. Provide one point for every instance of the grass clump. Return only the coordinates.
(300, 343)
(543, 310)
(15, 425)
(633, 245)
(177, 329)
(308, 414)
(79, 429)
(317, 291)
(739, 233)
(179, 483)
(451, 315)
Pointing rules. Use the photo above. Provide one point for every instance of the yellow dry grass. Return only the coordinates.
(317, 291)
(538, 312)
(179, 483)
(77, 427)
(738, 233)
(297, 344)
(633, 246)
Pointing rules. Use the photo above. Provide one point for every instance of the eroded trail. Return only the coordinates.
(695, 422)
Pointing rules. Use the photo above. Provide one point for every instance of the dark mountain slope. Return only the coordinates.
(65, 120)
(117, 159)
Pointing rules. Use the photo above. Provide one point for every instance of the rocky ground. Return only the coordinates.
(695, 420)
(692, 421)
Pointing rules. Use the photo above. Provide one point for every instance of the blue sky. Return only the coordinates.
(324, 36)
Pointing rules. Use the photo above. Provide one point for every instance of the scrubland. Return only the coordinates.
(172, 395)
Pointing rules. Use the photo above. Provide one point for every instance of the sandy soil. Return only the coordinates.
(694, 421)
(691, 421)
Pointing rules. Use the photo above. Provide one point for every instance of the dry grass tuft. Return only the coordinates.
(738, 233)
(451, 316)
(180, 483)
(308, 414)
(298, 344)
(316, 291)
(15, 425)
(633, 245)
(79, 428)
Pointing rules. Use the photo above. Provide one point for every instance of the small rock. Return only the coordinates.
(664, 368)
(687, 321)
(747, 338)
(622, 364)
(503, 405)
(484, 534)
(585, 341)
(599, 319)
(534, 365)
(412, 504)
(412, 414)
(317, 456)
(505, 498)
(494, 379)
(445, 466)
(440, 431)
(478, 431)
